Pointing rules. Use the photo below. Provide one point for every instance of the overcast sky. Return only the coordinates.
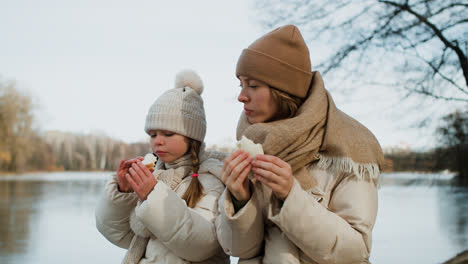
(97, 66)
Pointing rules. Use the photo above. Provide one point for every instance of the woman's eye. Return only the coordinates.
(253, 86)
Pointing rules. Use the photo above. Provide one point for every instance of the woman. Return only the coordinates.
(313, 196)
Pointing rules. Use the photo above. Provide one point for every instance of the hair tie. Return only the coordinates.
(194, 174)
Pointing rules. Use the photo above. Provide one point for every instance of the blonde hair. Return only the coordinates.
(194, 192)
(287, 104)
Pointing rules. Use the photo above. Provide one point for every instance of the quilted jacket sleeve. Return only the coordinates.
(241, 234)
(339, 234)
(113, 214)
(188, 232)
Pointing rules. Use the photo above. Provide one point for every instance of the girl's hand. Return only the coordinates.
(122, 182)
(141, 180)
(274, 173)
(234, 174)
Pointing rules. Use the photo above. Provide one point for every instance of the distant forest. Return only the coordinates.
(24, 148)
(55, 150)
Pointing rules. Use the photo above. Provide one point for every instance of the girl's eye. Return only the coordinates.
(168, 134)
(253, 86)
(153, 135)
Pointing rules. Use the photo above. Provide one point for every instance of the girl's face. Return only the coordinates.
(259, 105)
(167, 145)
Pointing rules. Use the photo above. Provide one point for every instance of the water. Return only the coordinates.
(46, 218)
(424, 222)
(49, 218)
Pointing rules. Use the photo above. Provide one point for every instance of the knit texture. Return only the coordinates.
(180, 109)
(280, 59)
(319, 132)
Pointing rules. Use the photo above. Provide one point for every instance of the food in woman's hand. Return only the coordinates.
(149, 161)
(249, 146)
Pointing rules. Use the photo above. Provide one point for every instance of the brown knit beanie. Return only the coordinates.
(281, 59)
(180, 109)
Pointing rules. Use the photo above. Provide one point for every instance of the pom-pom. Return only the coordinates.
(191, 79)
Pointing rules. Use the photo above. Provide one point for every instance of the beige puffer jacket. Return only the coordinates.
(179, 234)
(331, 223)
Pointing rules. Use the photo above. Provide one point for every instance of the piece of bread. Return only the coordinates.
(149, 161)
(249, 146)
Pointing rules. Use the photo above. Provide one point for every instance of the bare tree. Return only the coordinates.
(16, 132)
(453, 135)
(74, 151)
(425, 41)
(23, 148)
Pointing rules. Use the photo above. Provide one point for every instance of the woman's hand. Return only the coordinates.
(122, 182)
(234, 174)
(274, 173)
(141, 180)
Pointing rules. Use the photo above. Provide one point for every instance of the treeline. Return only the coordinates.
(24, 148)
(54, 151)
(90, 152)
(438, 159)
(452, 155)
(454, 159)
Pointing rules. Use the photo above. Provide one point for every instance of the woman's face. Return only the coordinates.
(256, 96)
(167, 145)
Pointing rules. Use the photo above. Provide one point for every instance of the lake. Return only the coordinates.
(49, 218)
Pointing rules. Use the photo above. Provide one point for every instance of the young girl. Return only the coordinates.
(167, 216)
(314, 195)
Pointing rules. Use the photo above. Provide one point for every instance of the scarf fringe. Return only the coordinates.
(367, 171)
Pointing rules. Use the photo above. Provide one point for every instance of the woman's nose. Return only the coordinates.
(242, 97)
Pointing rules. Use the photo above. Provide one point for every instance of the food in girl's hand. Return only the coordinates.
(149, 161)
(249, 146)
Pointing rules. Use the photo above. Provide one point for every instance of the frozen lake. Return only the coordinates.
(49, 218)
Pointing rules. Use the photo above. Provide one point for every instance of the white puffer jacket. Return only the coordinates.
(331, 223)
(179, 234)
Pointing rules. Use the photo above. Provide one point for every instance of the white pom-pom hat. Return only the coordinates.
(189, 78)
(180, 109)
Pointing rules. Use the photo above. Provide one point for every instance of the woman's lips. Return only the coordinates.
(247, 111)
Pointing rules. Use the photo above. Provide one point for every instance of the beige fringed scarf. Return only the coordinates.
(319, 131)
(171, 174)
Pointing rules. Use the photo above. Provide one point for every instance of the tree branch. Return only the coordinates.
(448, 7)
(440, 97)
(436, 69)
(345, 51)
(461, 56)
(455, 24)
